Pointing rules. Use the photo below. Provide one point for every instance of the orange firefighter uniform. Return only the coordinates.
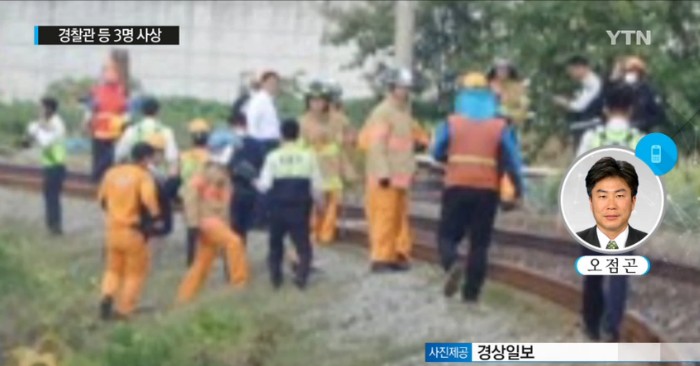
(326, 135)
(388, 138)
(207, 199)
(124, 191)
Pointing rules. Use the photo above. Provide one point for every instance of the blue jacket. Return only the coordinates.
(480, 106)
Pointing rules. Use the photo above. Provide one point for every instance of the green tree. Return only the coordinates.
(455, 36)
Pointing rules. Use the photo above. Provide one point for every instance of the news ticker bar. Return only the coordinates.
(613, 265)
(106, 35)
(562, 352)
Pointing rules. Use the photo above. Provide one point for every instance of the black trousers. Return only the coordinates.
(242, 214)
(102, 158)
(604, 301)
(292, 220)
(53, 186)
(263, 208)
(467, 209)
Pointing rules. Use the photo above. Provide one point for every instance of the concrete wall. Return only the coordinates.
(218, 41)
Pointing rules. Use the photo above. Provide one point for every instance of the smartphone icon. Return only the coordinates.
(656, 154)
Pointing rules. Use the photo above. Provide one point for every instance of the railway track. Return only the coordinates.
(635, 327)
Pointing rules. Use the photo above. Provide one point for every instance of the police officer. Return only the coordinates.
(49, 134)
(471, 144)
(292, 176)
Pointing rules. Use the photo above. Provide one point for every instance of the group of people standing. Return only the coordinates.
(290, 175)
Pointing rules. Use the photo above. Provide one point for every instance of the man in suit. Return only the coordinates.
(612, 191)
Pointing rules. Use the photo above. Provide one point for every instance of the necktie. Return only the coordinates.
(612, 245)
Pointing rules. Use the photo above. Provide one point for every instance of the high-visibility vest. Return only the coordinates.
(608, 137)
(192, 161)
(325, 139)
(110, 106)
(54, 154)
(292, 175)
(473, 153)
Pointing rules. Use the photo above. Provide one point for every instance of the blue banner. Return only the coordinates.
(448, 352)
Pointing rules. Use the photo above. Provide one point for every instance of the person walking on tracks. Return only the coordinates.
(476, 147)
(128, 196)
(244, 167)
(293, 179)
(324, 135)
(388, 139)
(143, 130)
(585, 109)
(207, 198)
(49, 134)
(605, 309)
(108, 110)
(191, 161)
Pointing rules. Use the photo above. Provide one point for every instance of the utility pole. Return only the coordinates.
(403, 32)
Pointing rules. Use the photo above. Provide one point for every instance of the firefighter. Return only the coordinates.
(476, 147)
(207, 198)
(191, 161)
(106, 118)
(123, 193)
(49, 134)
(505, 82)
(324, 135)
(293, 179)
(388, 138)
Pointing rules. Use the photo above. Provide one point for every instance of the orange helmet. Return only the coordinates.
(635, 63)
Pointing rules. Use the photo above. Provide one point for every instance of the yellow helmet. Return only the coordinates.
(198, 125)
(157, 141)
(473, 80)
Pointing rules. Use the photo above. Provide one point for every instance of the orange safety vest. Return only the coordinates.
(473, 153)
(110, 105)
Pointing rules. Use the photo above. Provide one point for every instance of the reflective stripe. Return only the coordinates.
(377, 133)
(54, 154)
(471, 159)
(400, 143)
(293, 161)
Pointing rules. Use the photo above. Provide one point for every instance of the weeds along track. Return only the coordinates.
(522, 260)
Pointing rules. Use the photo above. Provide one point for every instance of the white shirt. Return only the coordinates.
(621, 239)
(261, 113)
(47, 133)
(130, 138)
(614, 124)
(591, 86)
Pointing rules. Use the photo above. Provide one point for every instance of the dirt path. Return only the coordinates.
(346, 317)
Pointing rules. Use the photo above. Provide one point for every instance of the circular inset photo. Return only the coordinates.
(611, 201)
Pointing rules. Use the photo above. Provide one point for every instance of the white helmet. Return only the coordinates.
(401, 77)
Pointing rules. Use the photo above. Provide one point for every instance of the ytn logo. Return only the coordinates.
(640, 36)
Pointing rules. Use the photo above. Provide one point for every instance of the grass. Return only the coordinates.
(53, 295)
(52, 287)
